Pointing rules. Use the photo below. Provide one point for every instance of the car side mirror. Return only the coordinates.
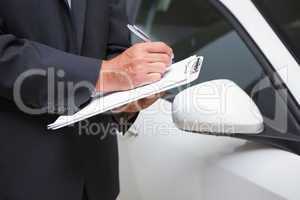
(217, 107)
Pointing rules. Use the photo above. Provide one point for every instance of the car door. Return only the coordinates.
(270, 29)
(238, 43)
(166, 163)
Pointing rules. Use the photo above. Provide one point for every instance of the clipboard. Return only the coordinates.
(179, 74)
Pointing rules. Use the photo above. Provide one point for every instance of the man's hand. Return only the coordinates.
(142, 64)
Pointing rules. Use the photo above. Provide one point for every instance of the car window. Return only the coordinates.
(196, 27)
(286, 24)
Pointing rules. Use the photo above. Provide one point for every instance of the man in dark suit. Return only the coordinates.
(51, 45)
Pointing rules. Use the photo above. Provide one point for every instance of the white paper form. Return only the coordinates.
(179, 74)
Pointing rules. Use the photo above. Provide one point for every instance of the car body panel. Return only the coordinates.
(166, 163)
(163, 162)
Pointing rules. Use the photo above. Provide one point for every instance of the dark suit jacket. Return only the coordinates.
(35, 163)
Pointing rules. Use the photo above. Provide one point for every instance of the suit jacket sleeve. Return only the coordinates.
(119, 40)
(20, 55)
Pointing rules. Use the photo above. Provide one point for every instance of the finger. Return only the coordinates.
(152, 78)
(158, 67)
(155, 96)
(158, 47)
(159, 57)
(144, 103)
(118, 110)
(129, 108)
(162, 94)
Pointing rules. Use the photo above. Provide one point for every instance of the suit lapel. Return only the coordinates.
(79, 12)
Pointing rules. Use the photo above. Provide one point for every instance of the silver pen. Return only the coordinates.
(139, 33)
(142, 35)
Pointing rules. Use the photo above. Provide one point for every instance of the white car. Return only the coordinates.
(254, 43)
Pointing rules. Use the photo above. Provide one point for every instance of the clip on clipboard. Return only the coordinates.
(181, 73)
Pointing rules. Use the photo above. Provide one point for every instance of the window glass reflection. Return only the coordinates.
(196, 27)
(284, 17)
(185, 25)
